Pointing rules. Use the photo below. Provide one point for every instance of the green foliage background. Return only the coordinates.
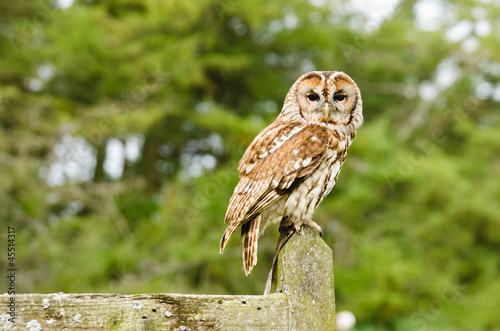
(414, 220)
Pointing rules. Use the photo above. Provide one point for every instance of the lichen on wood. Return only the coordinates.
(149, 312)
(305, 275)
(305, 301)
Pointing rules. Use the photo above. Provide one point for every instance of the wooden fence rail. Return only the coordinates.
(304, 301)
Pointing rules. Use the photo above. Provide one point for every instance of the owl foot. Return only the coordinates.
(297, 226)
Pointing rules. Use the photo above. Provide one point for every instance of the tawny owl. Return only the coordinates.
(294, 163)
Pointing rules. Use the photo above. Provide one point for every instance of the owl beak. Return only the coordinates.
(326, 108)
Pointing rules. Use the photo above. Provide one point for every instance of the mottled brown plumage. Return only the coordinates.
(294, 163)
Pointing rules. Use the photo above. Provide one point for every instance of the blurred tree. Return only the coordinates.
(121, 124)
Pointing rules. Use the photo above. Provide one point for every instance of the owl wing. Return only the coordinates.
(278, 159)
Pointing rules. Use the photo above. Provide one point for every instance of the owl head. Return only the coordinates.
(329, 97)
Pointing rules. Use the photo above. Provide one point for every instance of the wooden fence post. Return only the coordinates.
(305, 275)
(305, 301)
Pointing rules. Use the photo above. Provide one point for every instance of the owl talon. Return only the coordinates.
(297, 226)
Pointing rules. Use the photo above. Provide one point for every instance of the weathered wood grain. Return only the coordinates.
(305, 302)
(149, 312)
(305, 276)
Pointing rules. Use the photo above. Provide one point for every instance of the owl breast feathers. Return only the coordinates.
(294, 163)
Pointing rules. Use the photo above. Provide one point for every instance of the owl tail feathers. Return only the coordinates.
(249, 242)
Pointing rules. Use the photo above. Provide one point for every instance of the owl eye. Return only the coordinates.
(313, 97)
(339, 97)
